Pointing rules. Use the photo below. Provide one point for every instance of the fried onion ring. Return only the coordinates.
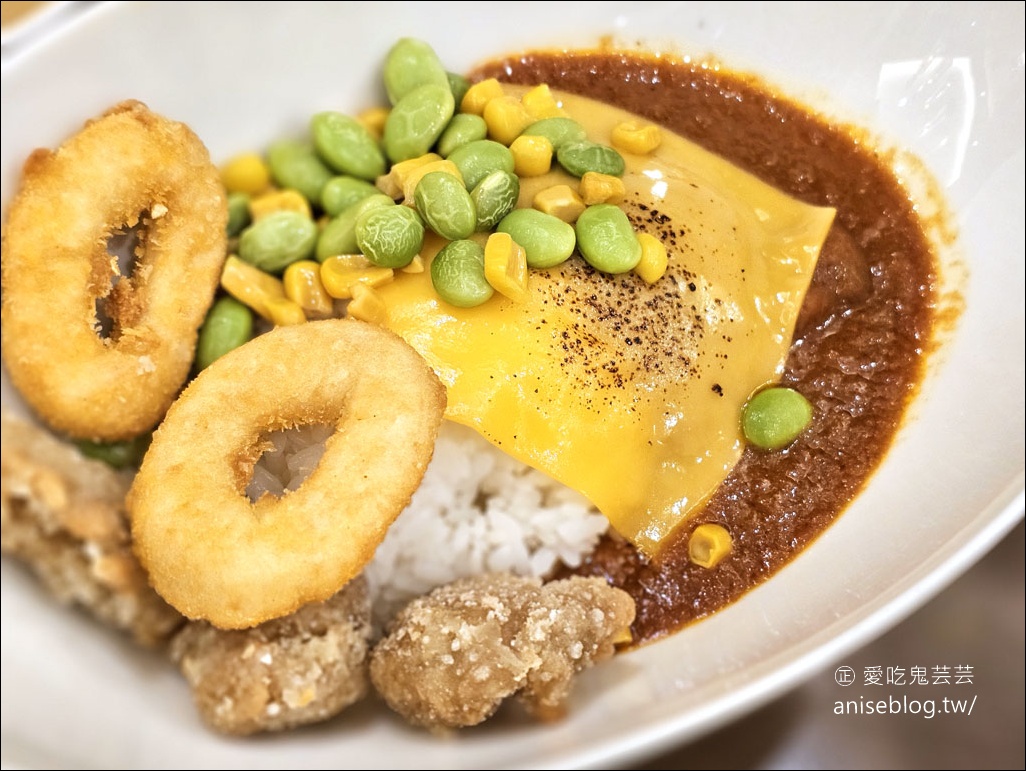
(213, 554)
(126, 168)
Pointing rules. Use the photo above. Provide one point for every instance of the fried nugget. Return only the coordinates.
(451, 657)
(304, 668)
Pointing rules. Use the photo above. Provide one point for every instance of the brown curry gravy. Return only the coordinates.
(859, 347)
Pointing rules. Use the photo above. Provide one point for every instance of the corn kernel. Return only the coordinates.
(373, 119)
(367, 305)
(302, 283)
(415, 175)
(284, 312)
(532, 155)
(596, 187)
(246, 173)
(479, 95)
(391, 184)
(250, 285)
(416, 265)
(635, 137)
(506, 266)
(279, 200)
(709, 544)
(339, 274)
(540, 103)
(654, 260)
(560, 201)
(506, 118)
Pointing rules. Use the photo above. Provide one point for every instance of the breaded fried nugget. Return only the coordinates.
(452, 656)
(64, 515)
(303, 668)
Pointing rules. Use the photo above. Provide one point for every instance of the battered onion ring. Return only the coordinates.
(127, 163)
(213, 554)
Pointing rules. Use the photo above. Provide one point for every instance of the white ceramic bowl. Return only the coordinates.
(944, 81)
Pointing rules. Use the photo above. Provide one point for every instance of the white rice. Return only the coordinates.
(477, 510)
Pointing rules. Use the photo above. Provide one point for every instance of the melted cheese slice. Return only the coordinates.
(629, 393)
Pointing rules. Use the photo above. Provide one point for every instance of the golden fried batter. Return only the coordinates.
(304, 668)
(452, 656)
(63, 515)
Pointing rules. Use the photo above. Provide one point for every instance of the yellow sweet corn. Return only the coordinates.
(302, 284)
(479, 95)
(367, 305)
(246, 173)
(532, 155)
(709, 544)
(279, 200)
(506, 118)
(560, 201)
(339, 274)
(373, 119)
(636, 137)
(250, 285)
(391, 184)
(653, 258)
(506, 266)
(415, 175)
(284, 312)
(596, 187)
(416, 265)
(540, 103)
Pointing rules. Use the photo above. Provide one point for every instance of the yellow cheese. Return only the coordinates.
(631, 393)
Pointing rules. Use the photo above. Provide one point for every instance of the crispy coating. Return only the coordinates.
(452, 656)
(212, 553)
(304, 668)
(128, 167)
(63, 515)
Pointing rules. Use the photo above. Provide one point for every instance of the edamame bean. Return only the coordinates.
(342, 192)
(558, 131)
(228, 325)
(494, 197)
(411, 63)
(123, 454)
(390, 236)
(345, 145)
(296, 165)
(445, 205)
(547, 240)
(578, 158)
(606, 239)
(417, 120)
(477, 159)
(464, 127)
(458, 274)
(274, 242)
(339, 235)
(238, 213)
(459, 86)
(774, 417)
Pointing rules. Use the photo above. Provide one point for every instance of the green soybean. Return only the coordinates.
(238, 213)
(463, 128)
(339, 235)
(494, 197)
(390, 236)
(119, 455)
(578, 158)
(459, 86)
(411, 63)
(342, 192)
(774, 417)
(445, 205)
(228, 325)
(606, 239)
(417, 120)
(547, 240)
(346, 145)
(458, 274)
(274, 242)
(297, 165)
(559, 131)
(477, 159)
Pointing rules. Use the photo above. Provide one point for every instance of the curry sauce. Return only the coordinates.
(859, 345)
